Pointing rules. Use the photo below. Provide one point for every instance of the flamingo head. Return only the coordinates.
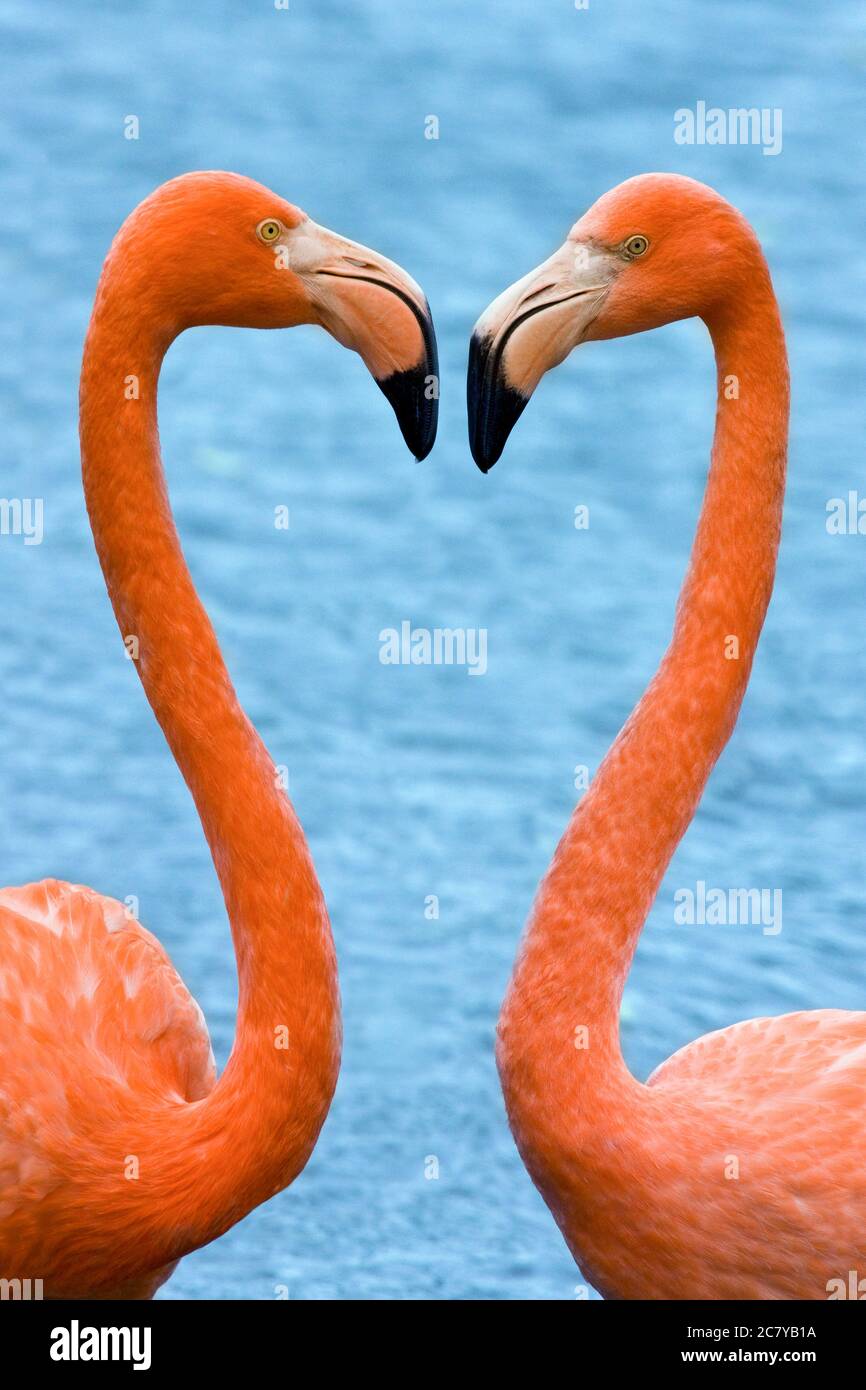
(657, 248)
(218, 248)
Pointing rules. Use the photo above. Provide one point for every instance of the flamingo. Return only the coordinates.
(736, 1171)
(119, 1150)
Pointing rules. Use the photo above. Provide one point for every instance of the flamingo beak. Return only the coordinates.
(529, 329)
(371, 305)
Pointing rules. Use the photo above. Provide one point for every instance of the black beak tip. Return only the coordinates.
(414, 398)
(414, 393)
(483, 461)
(493, 406)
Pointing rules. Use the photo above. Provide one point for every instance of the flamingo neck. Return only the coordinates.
(593, 902)
(219, 1157)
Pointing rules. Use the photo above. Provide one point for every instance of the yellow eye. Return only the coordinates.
(635, 246)
(268, 230)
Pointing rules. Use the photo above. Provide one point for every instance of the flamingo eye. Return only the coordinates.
(268, 230)
(635, 246)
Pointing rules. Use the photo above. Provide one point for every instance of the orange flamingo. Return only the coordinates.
(736, 1171)
(119, 1152)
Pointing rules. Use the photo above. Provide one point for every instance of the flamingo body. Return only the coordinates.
(735, 1173)
(106, 989)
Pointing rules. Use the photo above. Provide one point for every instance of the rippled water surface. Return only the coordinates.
(420, 781)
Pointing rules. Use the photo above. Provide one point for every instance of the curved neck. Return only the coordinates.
(595, 898)
(255, 1131)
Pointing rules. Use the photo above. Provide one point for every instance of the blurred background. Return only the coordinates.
(420, 781)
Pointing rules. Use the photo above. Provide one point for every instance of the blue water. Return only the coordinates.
(419, 781)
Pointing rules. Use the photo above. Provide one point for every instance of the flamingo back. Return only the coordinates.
(94, 996)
